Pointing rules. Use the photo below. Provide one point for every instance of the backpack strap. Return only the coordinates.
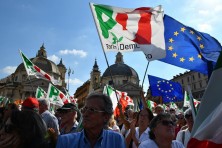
(183, 136)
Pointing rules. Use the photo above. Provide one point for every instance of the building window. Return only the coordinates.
(110, 82)
(16, 78)
(200, 84)
(125, 81)
(193, 77)
(188, 79)
(182, 81)
(194, 86)
(199, 75)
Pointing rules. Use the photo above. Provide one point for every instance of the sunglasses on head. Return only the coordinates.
(167, 123)
(188, 116)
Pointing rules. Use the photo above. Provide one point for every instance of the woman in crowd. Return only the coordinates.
(184, 135)
(139, 134)
(24, 129)
(161, 133)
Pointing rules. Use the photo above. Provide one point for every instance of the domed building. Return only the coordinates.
(125, 79)
(19, 85)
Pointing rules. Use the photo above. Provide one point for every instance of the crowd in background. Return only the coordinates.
(35, 125)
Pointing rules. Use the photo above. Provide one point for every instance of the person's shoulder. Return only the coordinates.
(70, 135)
(177, 144)
(148, 143)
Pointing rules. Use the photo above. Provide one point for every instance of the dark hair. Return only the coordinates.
(108, 105)
(155, 121)
(31, 129)
(150, 113)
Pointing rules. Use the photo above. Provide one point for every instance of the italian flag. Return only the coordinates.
(123, 29)
(56, 96)
(151, 104)
(186, 102)
(206, 132)
(33, 70)
(124, 100)
(40, 93)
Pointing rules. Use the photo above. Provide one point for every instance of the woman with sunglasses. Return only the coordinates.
(184, 135)
(161, 133)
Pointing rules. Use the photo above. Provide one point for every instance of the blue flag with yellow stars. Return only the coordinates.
(188, 48)
(169, 91)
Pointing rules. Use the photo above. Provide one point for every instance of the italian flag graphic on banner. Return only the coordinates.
(122, 29)
(33, 70)
(40, 93)
(56, 96)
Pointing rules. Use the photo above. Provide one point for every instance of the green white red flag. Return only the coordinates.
(40, 93)
(151, 104)
(124, 100)
(33, 70)
(56, 96)
(186, 102)
(206, 132)
(123, 29)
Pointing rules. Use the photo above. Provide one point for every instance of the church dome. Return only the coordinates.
(42, 62)
(120, 69)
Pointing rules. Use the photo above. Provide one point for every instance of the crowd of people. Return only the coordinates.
(94, 125)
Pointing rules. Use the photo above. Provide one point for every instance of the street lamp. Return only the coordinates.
(69, 73)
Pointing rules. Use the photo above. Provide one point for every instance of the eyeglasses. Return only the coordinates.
(167, 123)
(91, 110)
(188, 116)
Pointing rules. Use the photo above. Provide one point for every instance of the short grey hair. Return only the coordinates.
(44, 102)
(108, 105)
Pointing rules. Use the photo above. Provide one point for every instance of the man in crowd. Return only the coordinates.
(68, 113)
(96, 114)
(50, 120)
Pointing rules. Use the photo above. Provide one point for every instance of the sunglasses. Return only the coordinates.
(188, 116)
(91, 110)
(167, 123)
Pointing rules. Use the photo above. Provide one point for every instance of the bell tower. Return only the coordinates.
(95, 77)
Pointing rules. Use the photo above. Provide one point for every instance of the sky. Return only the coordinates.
(68, 31)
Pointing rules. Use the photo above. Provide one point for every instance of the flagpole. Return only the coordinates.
(142, 95)
(26, 70)
(106, 57)
(145, 73)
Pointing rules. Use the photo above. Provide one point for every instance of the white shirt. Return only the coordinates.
(143, 137)
(186, 136)
(152, 144)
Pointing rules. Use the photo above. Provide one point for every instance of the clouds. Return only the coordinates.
(8, 69)
(204, 15)
(74, 81)
(75, 52)
(54, 58)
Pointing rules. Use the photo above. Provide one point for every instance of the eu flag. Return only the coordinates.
(169, 90)
(188, 48)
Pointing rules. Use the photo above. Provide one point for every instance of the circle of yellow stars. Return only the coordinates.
(175, 55)
(164, 82)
